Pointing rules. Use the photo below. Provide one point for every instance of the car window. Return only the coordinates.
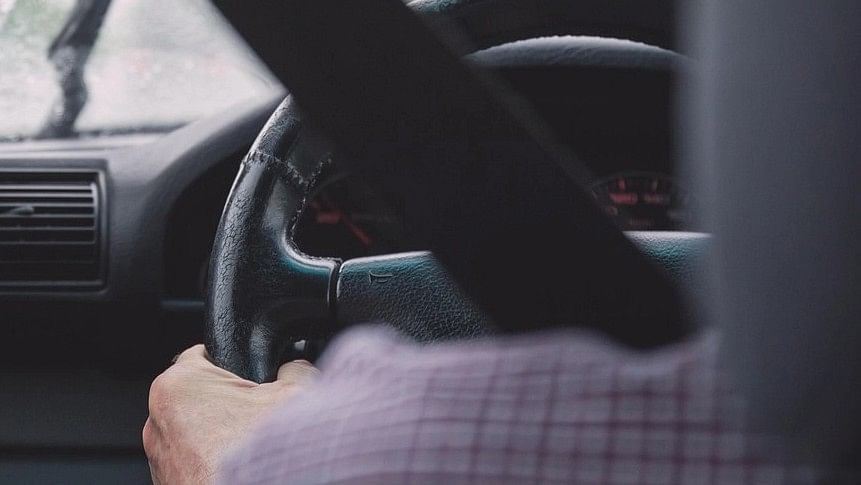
(155, 65)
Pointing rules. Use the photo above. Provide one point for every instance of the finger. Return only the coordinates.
(195, 353)
(151, 447)
(196, 359)
(153, 473)
(296, 372)
(150, 438)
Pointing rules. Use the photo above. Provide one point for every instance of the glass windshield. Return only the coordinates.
(154, 65)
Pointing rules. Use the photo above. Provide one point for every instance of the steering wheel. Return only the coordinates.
(265, 294)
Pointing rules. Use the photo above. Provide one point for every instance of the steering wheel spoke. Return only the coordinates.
(412, 292)
(264, 293)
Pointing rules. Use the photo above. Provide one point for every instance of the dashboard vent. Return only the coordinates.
(50, 229)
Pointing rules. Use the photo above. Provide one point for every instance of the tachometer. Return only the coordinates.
(344, 219)
(644, 201)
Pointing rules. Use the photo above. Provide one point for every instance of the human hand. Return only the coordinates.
(198, 411)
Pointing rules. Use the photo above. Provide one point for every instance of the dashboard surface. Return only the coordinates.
(163, 198)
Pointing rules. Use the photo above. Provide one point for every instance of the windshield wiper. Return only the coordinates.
(69, 53)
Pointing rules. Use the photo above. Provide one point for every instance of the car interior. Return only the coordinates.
(451, 168)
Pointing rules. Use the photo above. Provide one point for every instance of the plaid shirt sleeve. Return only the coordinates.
(553, 407)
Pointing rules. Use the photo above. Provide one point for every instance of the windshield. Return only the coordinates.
(150, 66)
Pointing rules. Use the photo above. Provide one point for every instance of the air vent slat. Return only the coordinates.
(4, 204)
(43, 243)
(37, 219)
(51, 235)
(28, 209)
(45, 228)
(49, 229)
(18, 198)
(5, 193)
(72, 186)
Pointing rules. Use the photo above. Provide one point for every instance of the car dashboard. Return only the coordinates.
(148, 210)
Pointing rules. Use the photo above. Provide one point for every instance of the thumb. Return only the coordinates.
(296, 373)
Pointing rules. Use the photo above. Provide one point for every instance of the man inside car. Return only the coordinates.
(565, 405)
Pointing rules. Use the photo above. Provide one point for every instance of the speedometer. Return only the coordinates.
(644, 201)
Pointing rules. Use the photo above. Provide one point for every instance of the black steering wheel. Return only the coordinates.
(265, 294)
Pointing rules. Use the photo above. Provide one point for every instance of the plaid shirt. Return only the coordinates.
(553, 407)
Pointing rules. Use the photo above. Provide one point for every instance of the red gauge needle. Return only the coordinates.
(332, 215)
(357, 231)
